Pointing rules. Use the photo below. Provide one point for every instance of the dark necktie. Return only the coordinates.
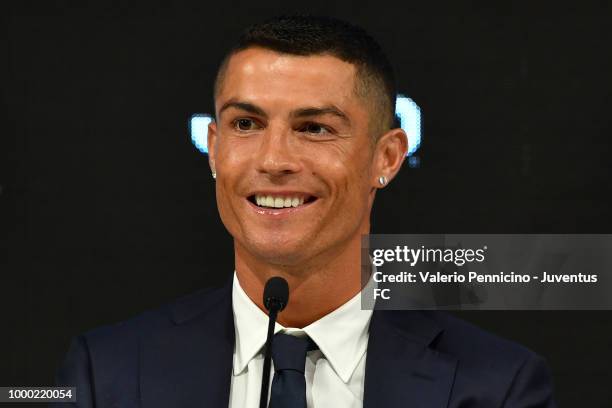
(289, 383)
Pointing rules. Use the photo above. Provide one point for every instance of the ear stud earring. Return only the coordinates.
(214, 174)
(382, 180)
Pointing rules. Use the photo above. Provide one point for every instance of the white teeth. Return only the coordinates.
(278, 202)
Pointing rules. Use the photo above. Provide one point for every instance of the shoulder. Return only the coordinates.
(470, 343)
(509, 371)
(107, 359)
(123, 337)
(449, 335)
(486, 369)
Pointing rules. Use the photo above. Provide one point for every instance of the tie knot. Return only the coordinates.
(289, 352)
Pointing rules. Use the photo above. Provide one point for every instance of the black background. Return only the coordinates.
(107, 209)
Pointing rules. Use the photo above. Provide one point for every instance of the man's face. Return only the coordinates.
(292, 154)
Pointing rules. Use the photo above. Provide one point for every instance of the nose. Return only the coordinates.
(276, 155)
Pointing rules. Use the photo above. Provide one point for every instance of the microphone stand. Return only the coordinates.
(265, 381)
(275, 298)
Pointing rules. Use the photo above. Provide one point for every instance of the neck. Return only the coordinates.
(316, 287)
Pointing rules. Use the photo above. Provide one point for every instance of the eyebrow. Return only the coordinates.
(298, 113)
(323, 110)
(245, 106)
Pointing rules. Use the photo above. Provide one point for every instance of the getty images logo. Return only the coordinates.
(406, 110)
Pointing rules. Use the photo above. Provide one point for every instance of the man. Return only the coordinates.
(302, 141)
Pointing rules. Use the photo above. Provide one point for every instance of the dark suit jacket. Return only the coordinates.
(181, 356)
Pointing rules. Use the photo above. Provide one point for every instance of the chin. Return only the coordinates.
(279, 252)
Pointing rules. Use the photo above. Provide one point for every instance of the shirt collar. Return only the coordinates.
(342, 335)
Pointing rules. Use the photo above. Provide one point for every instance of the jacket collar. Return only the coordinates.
(401, 367)
(189, 364)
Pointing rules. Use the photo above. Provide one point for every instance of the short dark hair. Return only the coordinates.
(313, 35)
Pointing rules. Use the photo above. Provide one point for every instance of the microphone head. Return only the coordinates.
(276, 293)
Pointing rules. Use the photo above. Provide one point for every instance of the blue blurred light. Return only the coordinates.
(409, 114)
(198, 125)
(406, 109)
(414, 161)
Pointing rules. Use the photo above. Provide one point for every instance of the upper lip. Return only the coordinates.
(281, 193)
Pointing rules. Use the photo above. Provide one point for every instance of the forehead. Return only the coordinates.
(261, 74)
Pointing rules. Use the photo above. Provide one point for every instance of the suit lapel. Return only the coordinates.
(189, 364)
(401, 369)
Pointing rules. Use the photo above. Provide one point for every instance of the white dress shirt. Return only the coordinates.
(334, 374)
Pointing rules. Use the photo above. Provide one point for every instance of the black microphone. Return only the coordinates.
(275, 298)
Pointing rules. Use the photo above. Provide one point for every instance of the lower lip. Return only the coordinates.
(279, 212)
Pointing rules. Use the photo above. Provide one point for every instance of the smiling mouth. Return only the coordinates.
(275, 201)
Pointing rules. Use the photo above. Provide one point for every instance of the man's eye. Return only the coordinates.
(314, 128)
(245, 124)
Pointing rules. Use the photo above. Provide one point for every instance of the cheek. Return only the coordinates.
(224, 204)
(230, 166)
(348, 180)
(233, 162)
(232, 153)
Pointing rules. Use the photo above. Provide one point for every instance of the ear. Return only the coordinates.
(211, 144)
(389, 154)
